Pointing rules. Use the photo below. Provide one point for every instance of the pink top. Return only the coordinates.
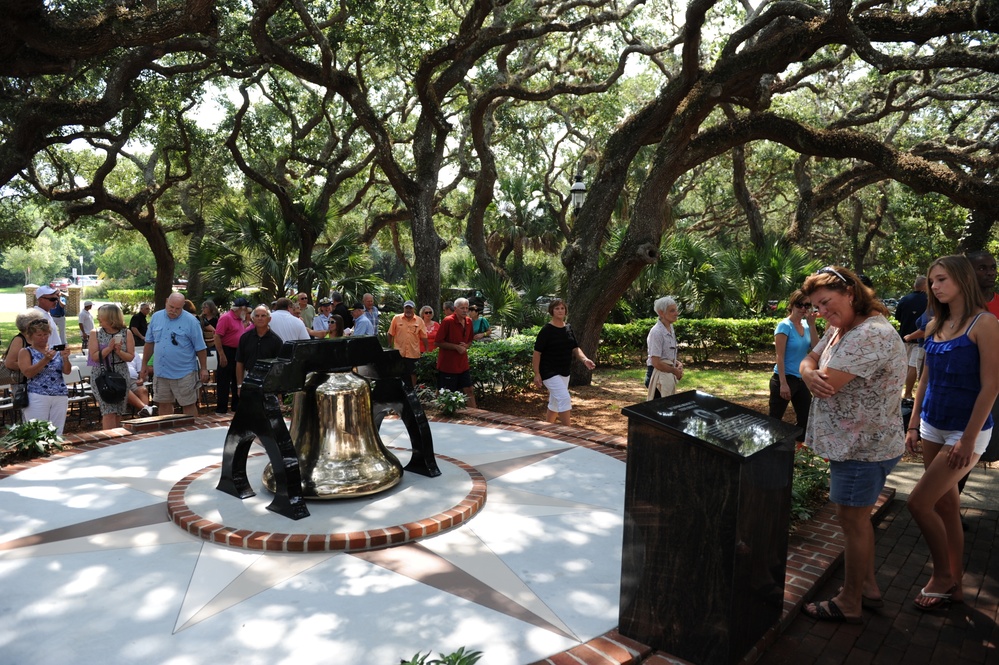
(230, 328)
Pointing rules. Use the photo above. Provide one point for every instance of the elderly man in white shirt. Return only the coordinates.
(45, 299)
(286, 325)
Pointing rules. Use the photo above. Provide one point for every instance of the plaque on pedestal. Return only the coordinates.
(707, 508)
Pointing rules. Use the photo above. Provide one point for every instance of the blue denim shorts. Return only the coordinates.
(858, 484)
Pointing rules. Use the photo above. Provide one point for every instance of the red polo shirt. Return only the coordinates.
(448, 360)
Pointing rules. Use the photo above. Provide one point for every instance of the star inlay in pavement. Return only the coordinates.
(544, 551)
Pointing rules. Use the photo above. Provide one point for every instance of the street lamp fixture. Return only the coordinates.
(578, 193)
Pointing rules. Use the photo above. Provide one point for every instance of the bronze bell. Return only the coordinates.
(339, 451)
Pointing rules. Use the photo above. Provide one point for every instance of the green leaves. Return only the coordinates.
(32, 437)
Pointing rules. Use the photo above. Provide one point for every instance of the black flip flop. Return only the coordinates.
(830, 612)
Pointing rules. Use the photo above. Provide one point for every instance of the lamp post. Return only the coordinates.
(578, 193)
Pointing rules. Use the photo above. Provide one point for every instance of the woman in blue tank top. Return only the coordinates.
(952, 417)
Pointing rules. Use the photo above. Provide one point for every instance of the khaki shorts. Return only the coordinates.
(184, 390)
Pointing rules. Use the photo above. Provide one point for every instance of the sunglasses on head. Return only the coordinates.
(829, 270)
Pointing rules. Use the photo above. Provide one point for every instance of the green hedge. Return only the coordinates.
(501, 365)
(130, 299)
(623, 344)
(505, 364)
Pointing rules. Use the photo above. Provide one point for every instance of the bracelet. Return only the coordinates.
(912, 429)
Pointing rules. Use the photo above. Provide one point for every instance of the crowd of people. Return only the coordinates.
(177, 341)
(862, 392)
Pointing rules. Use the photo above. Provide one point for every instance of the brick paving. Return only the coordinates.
(962, 634)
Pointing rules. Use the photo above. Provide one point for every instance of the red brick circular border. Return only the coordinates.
(353, 541)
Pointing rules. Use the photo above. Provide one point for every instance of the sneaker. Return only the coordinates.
(148, 410)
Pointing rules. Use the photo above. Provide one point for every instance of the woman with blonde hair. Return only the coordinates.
(19, 341)
(111, 348)
(427, 314)
(952, 416)
(48, 397)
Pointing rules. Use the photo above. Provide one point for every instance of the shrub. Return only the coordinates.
(130, 299)
(447, 402)
(501, 365)
(459, 657)
(34, 437)
(810, 483)
(623, 344)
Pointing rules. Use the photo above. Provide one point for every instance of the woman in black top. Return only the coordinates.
(553, 351)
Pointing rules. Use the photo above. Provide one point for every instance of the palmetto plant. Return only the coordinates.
(769, 273)
(253, 245)
(708, 280)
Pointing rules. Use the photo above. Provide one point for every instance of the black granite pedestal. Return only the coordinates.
(707, 508)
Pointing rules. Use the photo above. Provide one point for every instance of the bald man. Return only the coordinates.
(180, 365)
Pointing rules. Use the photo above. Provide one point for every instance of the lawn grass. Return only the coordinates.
(8, 330)
(725, 383)
(728, 383)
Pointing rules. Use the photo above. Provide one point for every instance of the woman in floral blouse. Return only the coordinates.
(855, 374)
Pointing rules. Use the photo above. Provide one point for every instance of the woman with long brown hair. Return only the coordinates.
(952, 416)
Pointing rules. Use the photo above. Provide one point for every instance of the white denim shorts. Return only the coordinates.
(950, 437)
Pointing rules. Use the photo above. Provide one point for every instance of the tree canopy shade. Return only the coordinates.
(70, 68)
(714, 100)
(477, 114)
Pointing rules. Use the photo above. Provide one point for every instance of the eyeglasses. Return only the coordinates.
(829, 270)
(173, 339)
(803, 305)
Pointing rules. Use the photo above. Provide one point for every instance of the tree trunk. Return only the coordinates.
(427, 248)
(977, 229)
(165, 263)
(754, 218)
(195, 285)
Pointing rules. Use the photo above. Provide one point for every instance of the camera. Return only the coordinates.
(59, 347)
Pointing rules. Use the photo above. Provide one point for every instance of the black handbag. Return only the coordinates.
(10, 376)
(19, 393)
(112, 386)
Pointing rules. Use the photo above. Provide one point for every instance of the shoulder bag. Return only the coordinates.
(19, 393)
(10, 376)
(112, 386)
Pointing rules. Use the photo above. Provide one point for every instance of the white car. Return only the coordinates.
(88, 280)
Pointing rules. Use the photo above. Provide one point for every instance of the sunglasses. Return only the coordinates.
(173, 339)
(803, 305)
(49, 298)
(829, 270)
